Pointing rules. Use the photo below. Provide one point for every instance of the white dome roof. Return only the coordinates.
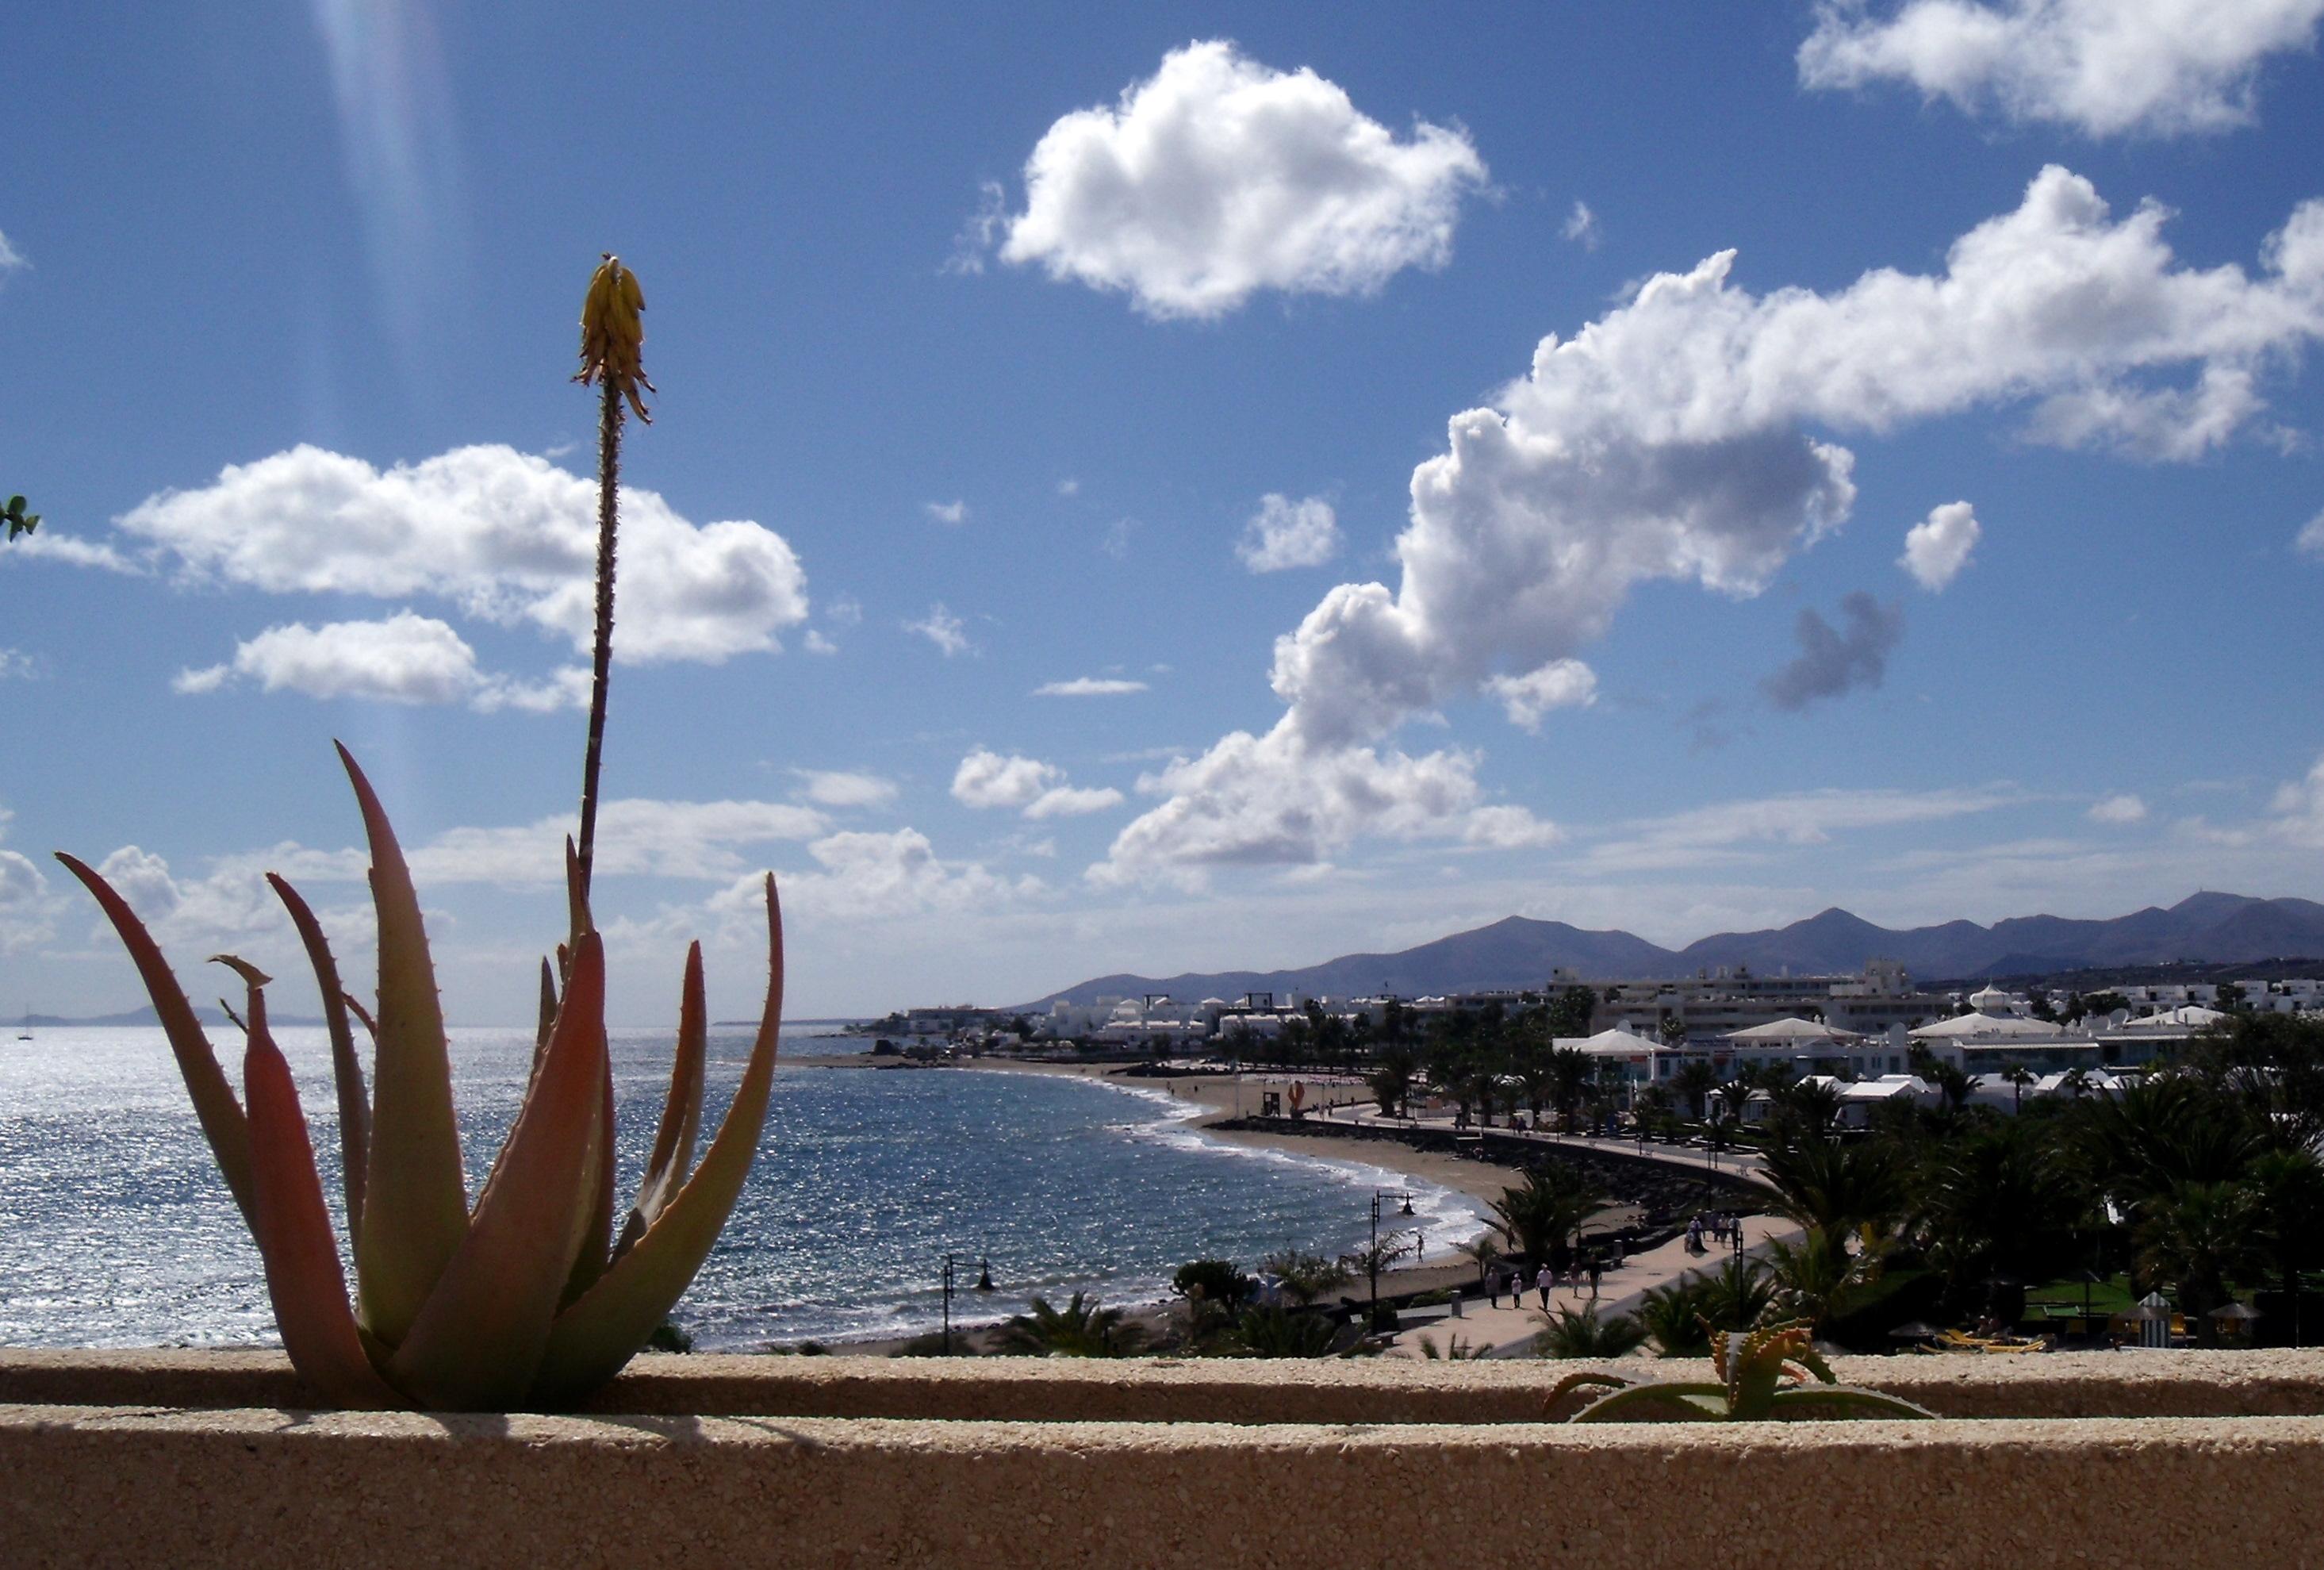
(1991, 999)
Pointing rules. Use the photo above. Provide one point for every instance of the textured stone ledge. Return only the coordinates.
(2194, 1384)
(81, 1485)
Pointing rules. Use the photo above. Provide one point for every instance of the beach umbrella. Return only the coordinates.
(2237, 1313)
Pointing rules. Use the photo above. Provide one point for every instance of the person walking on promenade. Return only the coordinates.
(1596, 1265)
(1545, 1282)
(1493, 1288)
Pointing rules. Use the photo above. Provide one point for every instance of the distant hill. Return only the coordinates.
(146, 1017)
(1520, 952)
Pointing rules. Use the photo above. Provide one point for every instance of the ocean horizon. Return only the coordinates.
(120, 1231)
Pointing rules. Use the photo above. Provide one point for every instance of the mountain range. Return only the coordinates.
(1520, 952)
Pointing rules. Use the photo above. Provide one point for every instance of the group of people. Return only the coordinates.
(1723, 1226)
(1553, 1274)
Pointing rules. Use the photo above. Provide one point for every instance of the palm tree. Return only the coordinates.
(1391, 1080)
(1271, 1332)
(2196, 1235)
(2019, 1076)
(1572, 1333)
(1569, 1073)
(1824, 1184)
(2287, 1194)
(1694, 1080)
(1482, 1250)
(1736, 1295)
(1547, 1208)
(1080, 1329)
(1998, 1202)
(1819, 1278)
(1672, 1315)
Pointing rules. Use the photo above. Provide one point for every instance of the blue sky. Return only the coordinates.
(1675, 474)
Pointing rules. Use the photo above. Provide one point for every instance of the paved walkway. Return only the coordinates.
(1740, 1162)
(1509, 1332)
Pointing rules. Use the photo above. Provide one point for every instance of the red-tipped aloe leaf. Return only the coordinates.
(347, 1068)
(597, 1334)
(415, 1199)
(220, 1115)
(293, 1230)
(547, 1019)
(478, 1340)
(681, 1110)
(597, 1226)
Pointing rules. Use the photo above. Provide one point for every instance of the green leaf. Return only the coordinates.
(478, 1340)
(220, 1115)
(293, 1230)
(415, 1199)
(347, 1068)
(592, 1339)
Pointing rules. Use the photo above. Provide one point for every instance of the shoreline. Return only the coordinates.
(1216, 1098)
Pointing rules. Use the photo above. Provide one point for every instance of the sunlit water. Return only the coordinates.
(116, 1230)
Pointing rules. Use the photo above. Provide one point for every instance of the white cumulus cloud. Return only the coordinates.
(1219, 177)
(2103, 67)
(11, 259)
(505, 536)
(404, 658)
(1681, 436)
(864, 877)
(2310, 540)
(987, 780)
(2120, 808)
(1560, 684)
(953, 512)
(1285, 533)
(2299, 808)
(1937, 548)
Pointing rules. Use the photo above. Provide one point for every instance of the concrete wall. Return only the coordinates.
(259, 1485)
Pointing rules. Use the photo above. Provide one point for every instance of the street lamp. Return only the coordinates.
(1372, 1259)
(984, 1284)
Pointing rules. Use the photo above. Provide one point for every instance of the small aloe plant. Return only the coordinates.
(530, 1299)
(1773, 1371)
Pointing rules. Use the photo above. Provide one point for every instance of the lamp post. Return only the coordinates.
(1372, 1258)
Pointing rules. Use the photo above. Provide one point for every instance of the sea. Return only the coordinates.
(116, 1230)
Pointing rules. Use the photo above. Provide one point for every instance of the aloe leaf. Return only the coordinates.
(595, 1237)
(593, 1337)
(681, 1110)
(220, 1115)
(1610, 1408)
(347, 1068)
(547, 1019)
(478, 1340)
(293, 1230)
(415, 1200)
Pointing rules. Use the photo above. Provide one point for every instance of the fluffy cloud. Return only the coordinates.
(11, 258)
(862, 877)
(1286, 533)
(1832, 660)
(1280, 798)
(2118, 809)
(1560, 684)
(16, 663)
(2309, 541)
(405, 659)
(1937, 548)
(986, 780)
(505, 536)
(1680, 436)
(953, 512)
(943, 628)
(1220, 177)
(2103, 67)
(1089, 687)
(24, 896)
(839, 788)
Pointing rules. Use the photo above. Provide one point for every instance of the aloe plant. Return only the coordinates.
(529, 1298)
(1773, 1371)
